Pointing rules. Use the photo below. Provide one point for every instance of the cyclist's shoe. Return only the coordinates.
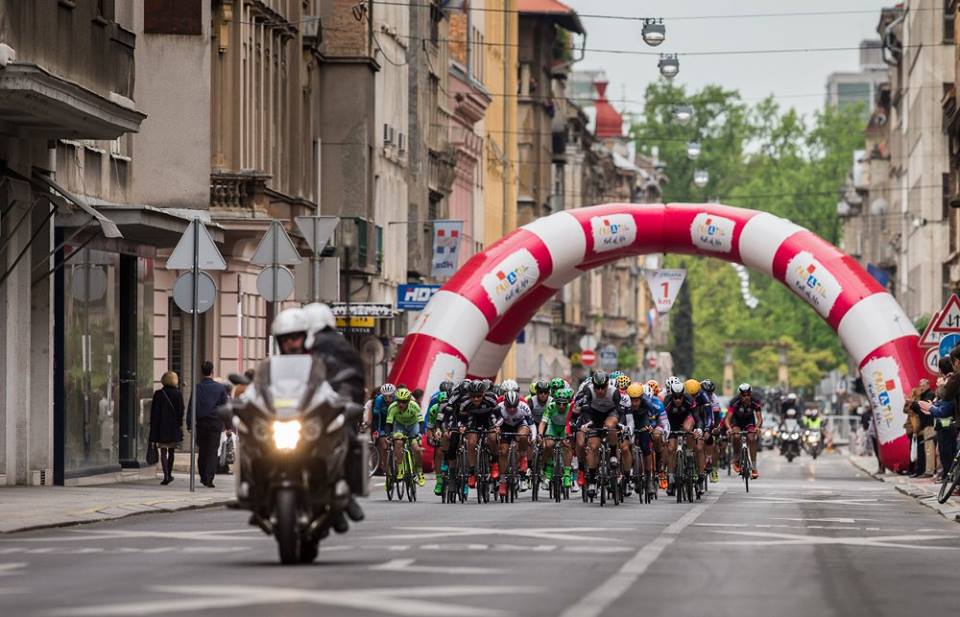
(714, 476)
(754, 474)
(736, 467)
(502, 491)
(627, 489)
(438, 489)
(567, 480)
(472, 481)
(495, 471)
(591, 490)
(651, 486)
(524, 484)
(548, 472)
(664, 483)
(581, 477)
(524, 465)
(420, 479)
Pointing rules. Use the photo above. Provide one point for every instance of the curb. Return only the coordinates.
(949, 510)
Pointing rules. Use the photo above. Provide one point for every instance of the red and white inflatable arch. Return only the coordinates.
(469, 325)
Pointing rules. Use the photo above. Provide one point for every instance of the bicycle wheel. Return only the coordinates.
(411, 477)
(950, 482)
(678, 472)
(373, 461)
(513, 471)
(391, 474)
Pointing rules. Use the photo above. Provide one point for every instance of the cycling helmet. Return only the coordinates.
(533, 389)
(557, 384)
(708, 386)
(654, 386)
(564, 395)
(476, 387)
(647, 390)
(511, 398)
(487, 384)
(600, 379)
(672, 379)
(542, 387)
(676, 388)
(623, 382)
(615, 375)
(745, 388)
(792, 396)
(509, 384)
(636, 390)
(446, 386)
(403, 395)
(388, 389)
(692, 386)
(442, 397)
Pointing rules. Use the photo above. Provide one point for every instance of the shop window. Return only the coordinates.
(173, 16)
(378, 229)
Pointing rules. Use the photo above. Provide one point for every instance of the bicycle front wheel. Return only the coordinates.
(950, 482)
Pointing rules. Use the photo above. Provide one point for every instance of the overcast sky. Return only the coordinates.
(797, 79)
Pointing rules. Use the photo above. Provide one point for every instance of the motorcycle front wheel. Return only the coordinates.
(288, 538)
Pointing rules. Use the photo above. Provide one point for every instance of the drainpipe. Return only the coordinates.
(506, 117)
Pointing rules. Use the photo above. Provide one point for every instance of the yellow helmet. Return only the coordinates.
(635, 390)
(692, 386)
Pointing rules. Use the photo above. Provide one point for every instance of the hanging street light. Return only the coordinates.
(669, 65)
(693, 150)
(683, 114)
(701, 177)
(654, 32)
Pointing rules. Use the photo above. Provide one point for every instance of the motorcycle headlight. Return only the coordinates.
(795, 436)
(286, 435)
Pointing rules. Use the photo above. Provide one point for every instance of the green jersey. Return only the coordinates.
(406, 417)
(432, 414)
(555, 415)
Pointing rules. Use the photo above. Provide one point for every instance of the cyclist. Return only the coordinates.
(478, 412)
(515, 423)
(712, 408)
(403, 421)
(682, 412)
(553, 429)
(439, 439)
(378, 427)
(649, 420)
(539, 401)
(704, 418)
(597, 408)
(445, 387)
(745, 415)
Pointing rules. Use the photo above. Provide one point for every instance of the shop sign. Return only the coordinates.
(362, 309)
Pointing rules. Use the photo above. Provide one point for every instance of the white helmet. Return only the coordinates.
(672, 379)
(647, 390)
(676, 387)
(510, 385)
(321, 318)
(290, 321)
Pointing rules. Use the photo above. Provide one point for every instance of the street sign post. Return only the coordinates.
(195, 250)
(588, 341)
(930, 338)
(317, 231)
(275, 250)
(588, 357)
(948, 319)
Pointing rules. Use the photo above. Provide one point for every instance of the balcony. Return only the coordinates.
(239, 193)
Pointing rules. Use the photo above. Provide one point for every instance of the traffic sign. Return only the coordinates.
(208, 256)
(947, 343)
(948, 320)
(930, 338)
(183, 292)
(276, 248)
(317, 230)
(588, 357)
(931, 359)
(664, 287)
(588, 341)
(608, 358)
(275, 284)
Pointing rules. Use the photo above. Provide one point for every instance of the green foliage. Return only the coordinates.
(765, 158)
(627, 357)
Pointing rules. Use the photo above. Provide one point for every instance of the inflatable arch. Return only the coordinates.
(469, 325)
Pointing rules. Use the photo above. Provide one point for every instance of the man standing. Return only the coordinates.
(210, 396)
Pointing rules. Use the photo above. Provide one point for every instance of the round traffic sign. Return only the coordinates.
(931, 359)
(947, 343)
(183, 292)
(275, 284)
(588, 341)
(588, 357)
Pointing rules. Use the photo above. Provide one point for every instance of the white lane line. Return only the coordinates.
(11, 569)
(605, 594)
(407, 565)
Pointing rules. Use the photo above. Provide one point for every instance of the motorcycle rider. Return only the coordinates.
(344, 370)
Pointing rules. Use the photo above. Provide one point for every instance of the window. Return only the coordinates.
(362, 242)
(436, 16)
(948, 21)
(378, 232)
(173, 16)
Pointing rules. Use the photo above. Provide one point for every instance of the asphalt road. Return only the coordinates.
(809, 539)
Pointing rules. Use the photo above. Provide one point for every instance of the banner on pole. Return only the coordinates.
(446, 243)
(664, 287)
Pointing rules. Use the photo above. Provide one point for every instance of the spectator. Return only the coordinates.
(943, 412)
(210, 396)
(166, 422)
(926, 433)
(913, 430)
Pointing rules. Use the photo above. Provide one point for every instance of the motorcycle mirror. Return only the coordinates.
(238, 380)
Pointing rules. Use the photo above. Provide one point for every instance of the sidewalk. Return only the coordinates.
(923, 490)
(28, 507)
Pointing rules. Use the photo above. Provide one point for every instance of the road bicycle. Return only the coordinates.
(951, 480)
(511, 475)
(536, 457)
(684, 470)
(608, 476)
(641, 473)
(401, 478)
(746, 465)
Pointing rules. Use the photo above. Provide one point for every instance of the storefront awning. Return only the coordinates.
(145, 224)
(109, 228)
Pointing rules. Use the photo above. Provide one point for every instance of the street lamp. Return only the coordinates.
(654, 32)
(701, 177)
(669, 65)
(693, 150)
(349, 240)
(683, 114)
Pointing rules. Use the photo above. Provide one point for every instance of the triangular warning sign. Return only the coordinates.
(929, 338)
(208, 256)
(276, 247)
(317, 230)
(664, 287)
(949, 318)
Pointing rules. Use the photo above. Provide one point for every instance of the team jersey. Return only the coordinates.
(678, 410)
(556, 417)
(537, 407)
(434, 414)
(650, 414)
(706, 409)
(405, 417)
(379, 411)
(744, 411)
(516, 417)
(482, 413)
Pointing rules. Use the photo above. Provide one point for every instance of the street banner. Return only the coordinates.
(446, 243)
(664, 287)
(414, 297)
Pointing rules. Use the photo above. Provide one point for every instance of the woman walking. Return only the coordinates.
(166, 422)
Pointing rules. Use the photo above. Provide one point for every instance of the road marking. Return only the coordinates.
(839, 502)
(405, 601)
(11, 569)
(406, 565)
(789, 539)
(560, 534)
(118, 534)
(605, 594)
(835, 519)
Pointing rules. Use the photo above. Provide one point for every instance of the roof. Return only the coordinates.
(565, 16)
(609, 121)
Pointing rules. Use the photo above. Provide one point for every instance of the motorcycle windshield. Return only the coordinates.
(289, 378)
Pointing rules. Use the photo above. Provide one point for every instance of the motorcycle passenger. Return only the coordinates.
(598, 409)
(553, 429)
(478, 413)
(745, 415)
(788, 408)
(516, 422)
(403, 421)
(682, 412)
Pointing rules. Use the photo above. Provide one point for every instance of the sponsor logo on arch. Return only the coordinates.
(612, 232)
(510, 279)
(813, 282)
(881, 379)
(712, 233)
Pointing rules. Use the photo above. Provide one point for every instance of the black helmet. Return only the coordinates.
(511, 398)
(708, 386)
(476, 387)
(600, 379)
(446, 386)
(543, 386)
(487, 384)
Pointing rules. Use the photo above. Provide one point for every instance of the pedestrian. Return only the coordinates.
(210, 396)
(926, 448)
(943, 412)
(166, 422)
(240, 389)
